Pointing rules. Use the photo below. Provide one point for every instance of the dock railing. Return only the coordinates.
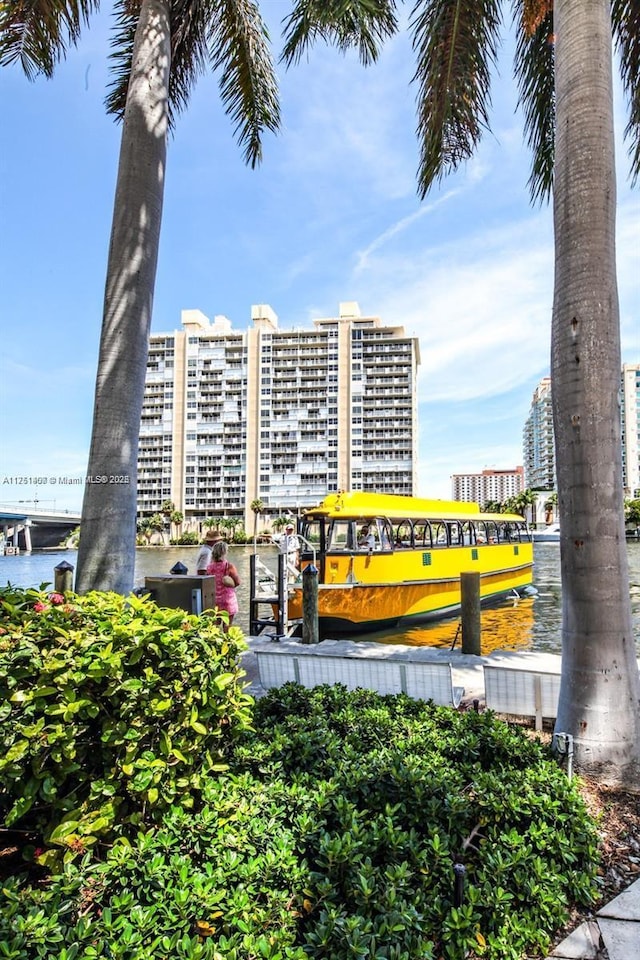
(269, 587)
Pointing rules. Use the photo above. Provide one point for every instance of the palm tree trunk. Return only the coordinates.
(106, 557)
(599, 690)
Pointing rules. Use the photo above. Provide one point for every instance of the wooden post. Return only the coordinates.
(470, 611)
(310, 604)
(63, 577)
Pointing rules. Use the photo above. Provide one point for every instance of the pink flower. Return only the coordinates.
(39, 606)
(56, 598)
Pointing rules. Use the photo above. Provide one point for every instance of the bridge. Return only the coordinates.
(29, 528)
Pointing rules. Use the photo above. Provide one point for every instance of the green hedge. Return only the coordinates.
(220, 883)
(111, 710)
(392, 793)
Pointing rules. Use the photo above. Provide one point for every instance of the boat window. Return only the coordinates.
(385, 534)
(340, 535)
(481, 532)
(525, 533)
(439, 534)
(455, 533)
(468, 532)
(516, 532)
(492, 531)
(402, 536)
(368, 535)
(422, 534)
(505, 533)
(310, 531)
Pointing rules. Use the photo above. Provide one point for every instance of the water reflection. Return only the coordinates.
(506, 627)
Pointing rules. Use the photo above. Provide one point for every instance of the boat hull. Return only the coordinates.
(353, 603)
(550, 534)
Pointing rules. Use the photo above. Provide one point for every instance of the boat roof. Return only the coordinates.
(358, 505)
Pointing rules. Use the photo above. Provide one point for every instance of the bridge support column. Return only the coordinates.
(27, 537)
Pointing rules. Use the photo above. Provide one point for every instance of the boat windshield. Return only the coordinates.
(360, 535)
(340, 535)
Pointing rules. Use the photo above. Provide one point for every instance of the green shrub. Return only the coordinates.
(392, 793)
(186, 539)
(225, 883)
(334, 835)
(111, 710)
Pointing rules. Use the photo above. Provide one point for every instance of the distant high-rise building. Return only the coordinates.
(537, 442)
(490, 485)
(630, 409)
(281, 416)
(538, 435)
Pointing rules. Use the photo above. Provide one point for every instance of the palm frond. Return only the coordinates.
(121, 43)
(188, 24)
(38, 33)
(456, 44)
(239, 46)
(364, 24)
(531, 13)
(625, 16)
(189, 53)
(534, 72)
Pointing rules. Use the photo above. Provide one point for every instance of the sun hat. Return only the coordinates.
(289, 526)
(212, 536)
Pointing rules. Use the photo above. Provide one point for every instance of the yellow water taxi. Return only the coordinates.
(384, 561)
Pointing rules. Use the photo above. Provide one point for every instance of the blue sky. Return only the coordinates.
(331, 215)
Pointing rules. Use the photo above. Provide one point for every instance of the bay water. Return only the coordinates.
(531, 624)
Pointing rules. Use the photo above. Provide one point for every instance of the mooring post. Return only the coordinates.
(310, 604)
(470, 612)
(459, 871)
(63, 577)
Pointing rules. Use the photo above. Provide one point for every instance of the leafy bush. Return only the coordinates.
(111, 710)
(226, 882)
(186, 539)
(334, 835)
(395, 792)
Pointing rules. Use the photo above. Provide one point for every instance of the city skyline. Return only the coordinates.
(332, 215)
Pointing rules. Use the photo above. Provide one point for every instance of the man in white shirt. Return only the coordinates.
(204, 555)
(366, 539)
(290, 546)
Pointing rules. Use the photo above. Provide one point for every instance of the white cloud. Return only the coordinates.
(403, 224)
(481, 307)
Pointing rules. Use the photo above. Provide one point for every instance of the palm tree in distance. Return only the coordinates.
(522, 503)
(563, 65)
(160, 49)
(257, 506)
(549, 506)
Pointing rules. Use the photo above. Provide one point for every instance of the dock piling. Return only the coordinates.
(470, 612)
(310, 632)
(63, 577)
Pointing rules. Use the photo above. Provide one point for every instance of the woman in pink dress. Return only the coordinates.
(227, 580)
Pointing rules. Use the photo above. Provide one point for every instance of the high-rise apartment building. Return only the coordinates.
(630, 408)
(490, 485)
(537, 441)
(279, 416)
(538, 435)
